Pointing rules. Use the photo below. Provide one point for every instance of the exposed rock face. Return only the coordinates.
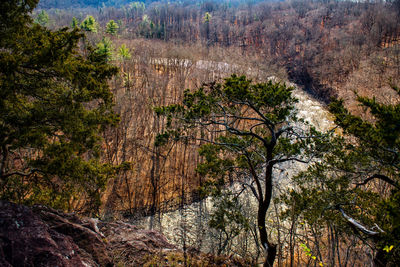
(25, 240)
(41, 236)
(90, 242)
(131, 245)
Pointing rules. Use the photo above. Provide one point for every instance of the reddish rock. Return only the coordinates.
(131, 245)
(85, 238)
(41, 236)
(25, 240)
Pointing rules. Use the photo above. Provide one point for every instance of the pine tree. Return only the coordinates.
(89, 24)
(345, 187)
(254, 131)
(42, 18)
(74, 23)
(112, 27)
(207, 17)
(54, 104)
(123, 52)
(105, 49)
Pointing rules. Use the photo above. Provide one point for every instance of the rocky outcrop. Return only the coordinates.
(92, 248)
(40, 236)
(26, 240)
(133, 246)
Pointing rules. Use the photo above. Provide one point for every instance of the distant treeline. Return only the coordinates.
(320, 43)
(46, 4)
(80, 4)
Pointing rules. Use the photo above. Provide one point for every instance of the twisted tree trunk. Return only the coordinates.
(270, 249)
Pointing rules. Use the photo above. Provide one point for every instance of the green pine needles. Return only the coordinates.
(54, 104)
(248, 129)
(355, 187)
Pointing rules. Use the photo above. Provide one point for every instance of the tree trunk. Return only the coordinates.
(263, 205)
(270, 249)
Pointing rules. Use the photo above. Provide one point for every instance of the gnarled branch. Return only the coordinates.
(357, 225)
(380, 177)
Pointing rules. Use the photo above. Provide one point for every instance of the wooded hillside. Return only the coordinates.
(123, 109)
(326, 47)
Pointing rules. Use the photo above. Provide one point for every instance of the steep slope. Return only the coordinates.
(164, 178)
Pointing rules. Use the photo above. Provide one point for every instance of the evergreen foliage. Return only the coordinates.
(74, 23)
(105, 49)
(123, 52)
(42, 18)
(248, 129)
(54, 103)
(112, 27)
(227, 219)
(207, 17)
(357, 183)
(89, 24)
